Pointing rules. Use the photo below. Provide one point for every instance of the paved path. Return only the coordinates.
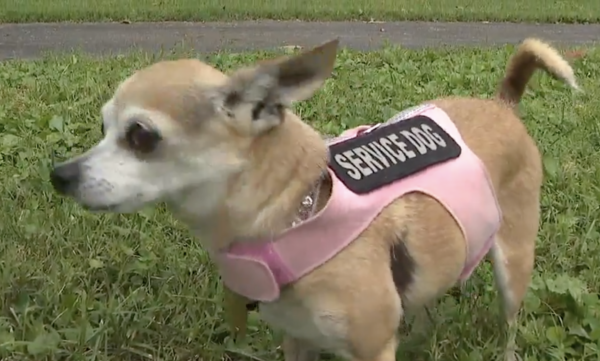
(32, 40)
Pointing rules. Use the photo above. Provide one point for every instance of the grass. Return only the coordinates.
(568, 11)
(82, 286)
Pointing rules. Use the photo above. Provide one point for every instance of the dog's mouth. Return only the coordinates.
(101, 207)
(131, 205)
(104, 208)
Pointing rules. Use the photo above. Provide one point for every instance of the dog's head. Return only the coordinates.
(177, 127)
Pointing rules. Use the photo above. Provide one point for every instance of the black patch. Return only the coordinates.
(252, 306)
(273, 109)
(391, 152)
(402, 266)
(233, 99)
(258, 108)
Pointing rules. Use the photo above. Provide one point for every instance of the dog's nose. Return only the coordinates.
(65, 176)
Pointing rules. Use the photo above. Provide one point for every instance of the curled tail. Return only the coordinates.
(531, 55)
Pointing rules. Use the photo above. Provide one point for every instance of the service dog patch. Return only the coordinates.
(387, 153)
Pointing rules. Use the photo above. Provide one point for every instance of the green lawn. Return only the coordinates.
(82, 286)
(205, 10)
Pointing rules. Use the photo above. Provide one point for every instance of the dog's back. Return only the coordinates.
(492, 127)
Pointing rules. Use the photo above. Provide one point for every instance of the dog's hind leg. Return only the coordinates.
(388, 353)
(298, 350)
(513, 259)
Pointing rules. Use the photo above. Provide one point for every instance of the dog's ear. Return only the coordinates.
(263, 92)
(297, 78)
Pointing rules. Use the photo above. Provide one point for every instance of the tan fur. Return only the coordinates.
(256, 172)
(531, 55)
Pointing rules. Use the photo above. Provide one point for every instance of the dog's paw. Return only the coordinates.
(512, 355)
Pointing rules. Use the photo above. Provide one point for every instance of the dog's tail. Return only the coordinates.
(531, 55)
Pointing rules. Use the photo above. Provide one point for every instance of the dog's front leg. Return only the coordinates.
(299, 350)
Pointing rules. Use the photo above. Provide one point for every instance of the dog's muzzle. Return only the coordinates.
(65, 177)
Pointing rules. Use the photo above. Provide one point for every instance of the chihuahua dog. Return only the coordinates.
(336, 239)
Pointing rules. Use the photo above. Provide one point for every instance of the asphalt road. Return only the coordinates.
(33, 40)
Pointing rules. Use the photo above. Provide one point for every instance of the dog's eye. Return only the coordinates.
(142, 138)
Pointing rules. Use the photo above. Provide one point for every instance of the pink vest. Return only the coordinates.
(258, 269)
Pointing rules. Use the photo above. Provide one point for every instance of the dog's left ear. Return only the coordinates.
(298, 77)
(263, 92)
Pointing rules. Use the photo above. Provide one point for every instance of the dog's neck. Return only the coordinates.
(286, 169)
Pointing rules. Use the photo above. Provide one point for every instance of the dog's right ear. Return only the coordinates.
(263, 92)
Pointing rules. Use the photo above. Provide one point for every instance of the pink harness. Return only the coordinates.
(258, 269)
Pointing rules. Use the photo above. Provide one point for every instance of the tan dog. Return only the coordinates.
(233, 162)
